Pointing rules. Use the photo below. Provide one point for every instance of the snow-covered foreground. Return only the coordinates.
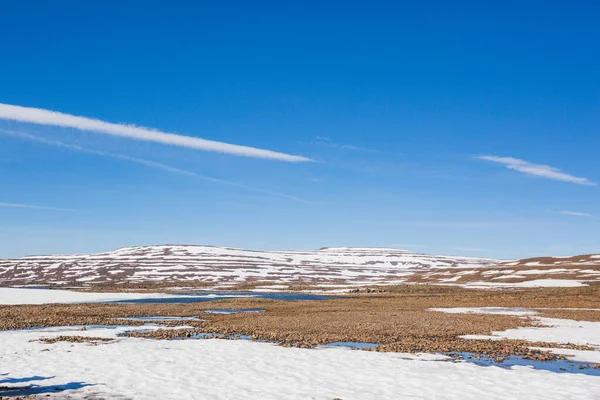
(131, 368)
(14, 296)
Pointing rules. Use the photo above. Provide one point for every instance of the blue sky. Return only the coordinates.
(469, 129)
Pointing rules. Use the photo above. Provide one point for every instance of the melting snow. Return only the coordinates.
(551, 330)
(222, 369)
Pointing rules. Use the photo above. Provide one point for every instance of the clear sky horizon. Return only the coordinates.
(468, 129)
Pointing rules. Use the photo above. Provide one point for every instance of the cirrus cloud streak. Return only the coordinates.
(538, 170)
(53, 118)
(34, 207)
(147, 163)
(575, 214)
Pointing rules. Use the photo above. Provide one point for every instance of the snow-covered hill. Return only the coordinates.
(326, 268)
(221, 265)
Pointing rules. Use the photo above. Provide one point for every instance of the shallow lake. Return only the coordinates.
(199, 297)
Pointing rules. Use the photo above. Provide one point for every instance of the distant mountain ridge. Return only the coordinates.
(323, 268)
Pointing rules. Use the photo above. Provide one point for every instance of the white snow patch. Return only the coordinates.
(14, 296)
(526, 284)
(511, 276)
(487, 310)
(583, 356)
(47, 296)
(544, 271)
(553, 330)
(559, 331)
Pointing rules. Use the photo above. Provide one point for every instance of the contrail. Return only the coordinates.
(53, 118)
(82, 149)
(148, 163)
(34, 207)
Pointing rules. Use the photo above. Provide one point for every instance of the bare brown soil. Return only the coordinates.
(75, 339)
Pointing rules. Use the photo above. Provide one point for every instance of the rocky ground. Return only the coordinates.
(398, 319)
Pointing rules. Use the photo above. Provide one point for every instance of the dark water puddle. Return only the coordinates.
(199, 297)
(557, 366)
(205, 335)
(234, 310)
(241, 337)
(353, 345)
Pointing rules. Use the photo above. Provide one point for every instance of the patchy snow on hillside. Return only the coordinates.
(526, 284)
(346, 267)
(222, 265)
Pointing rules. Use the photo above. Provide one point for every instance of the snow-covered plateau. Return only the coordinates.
(342, 267)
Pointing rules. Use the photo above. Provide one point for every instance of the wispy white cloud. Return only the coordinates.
(539, 170)
(325, 141)
(575, 214)
(53, 118)
(31, 206)
(148, 163)
(56, 143)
